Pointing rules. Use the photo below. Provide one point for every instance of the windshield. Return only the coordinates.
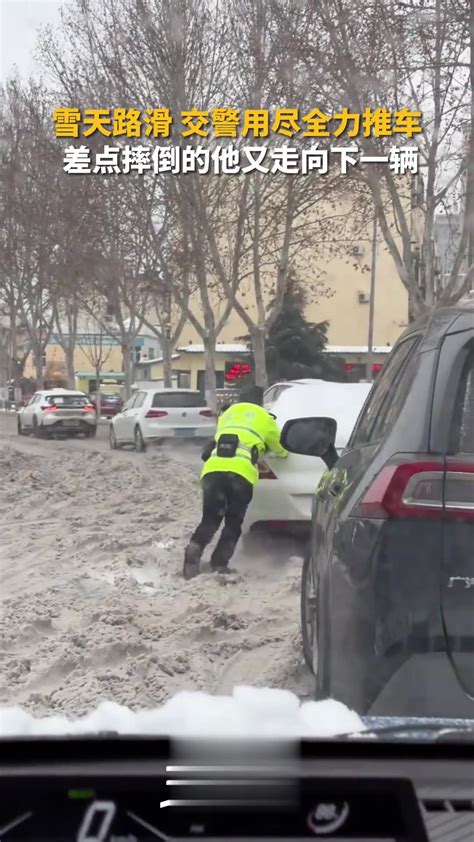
(178, 399)
(254, 219)
(66, 400)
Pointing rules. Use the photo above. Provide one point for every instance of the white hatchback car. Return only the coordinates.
(57, 411)
(283, 496)
(277, 389)
(155, 414)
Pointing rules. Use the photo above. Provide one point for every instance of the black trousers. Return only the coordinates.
(226, 496)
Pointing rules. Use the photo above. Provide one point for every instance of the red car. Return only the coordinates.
(110, 405)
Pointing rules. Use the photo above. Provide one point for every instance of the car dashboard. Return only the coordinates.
(121, 789)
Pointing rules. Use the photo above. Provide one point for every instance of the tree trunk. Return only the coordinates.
(13, 355)
(38, 354)
(127, 369)
(97, 393)
(210, 376)
(167, 352)
(258, 348)
(71, 374)
(414, 310)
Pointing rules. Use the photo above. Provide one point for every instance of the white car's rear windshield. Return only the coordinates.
(177, 399)
(66, 400)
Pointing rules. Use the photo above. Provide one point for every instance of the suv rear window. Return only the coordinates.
(176, 400)
(69, 401)
(388, 394)
(463, 428)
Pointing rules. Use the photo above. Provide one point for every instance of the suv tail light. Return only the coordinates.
(49, 408)
(265, 472)
(207, 413)
(89, 407)
(419, 488)
(156, 413)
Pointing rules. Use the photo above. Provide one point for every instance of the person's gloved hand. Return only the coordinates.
(207, 450)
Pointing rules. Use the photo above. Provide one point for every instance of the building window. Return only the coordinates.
(184, 379)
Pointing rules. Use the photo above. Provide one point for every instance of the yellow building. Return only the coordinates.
(188, 366)
(90, 348)
(344, 301)
(231, 360)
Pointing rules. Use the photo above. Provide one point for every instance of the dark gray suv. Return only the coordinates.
(388, 584)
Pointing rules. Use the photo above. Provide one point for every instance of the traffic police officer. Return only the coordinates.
(244, 431)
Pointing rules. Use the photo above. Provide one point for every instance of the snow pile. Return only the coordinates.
(249, 712)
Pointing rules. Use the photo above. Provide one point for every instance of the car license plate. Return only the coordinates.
(71, 423)
(185, 431)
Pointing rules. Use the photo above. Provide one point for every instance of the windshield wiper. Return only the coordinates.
(438, 730)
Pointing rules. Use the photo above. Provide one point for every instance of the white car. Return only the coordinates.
(155, 414)
(277, 389)
(283, 496)
(57, 411)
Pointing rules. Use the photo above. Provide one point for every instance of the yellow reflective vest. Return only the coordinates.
(255, 427)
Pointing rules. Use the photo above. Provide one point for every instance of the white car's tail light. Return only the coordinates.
(156, 413)
(265, 472)
(207, 413)
(49, 408)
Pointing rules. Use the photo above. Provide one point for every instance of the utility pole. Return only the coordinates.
(370, 339)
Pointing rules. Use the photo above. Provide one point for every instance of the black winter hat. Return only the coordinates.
(252, 394)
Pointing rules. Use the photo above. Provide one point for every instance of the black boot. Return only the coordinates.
(224, 569)
(192, 557)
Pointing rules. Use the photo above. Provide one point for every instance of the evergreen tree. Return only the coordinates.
(295, 348)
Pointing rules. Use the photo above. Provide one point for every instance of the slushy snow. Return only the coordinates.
(249, 712)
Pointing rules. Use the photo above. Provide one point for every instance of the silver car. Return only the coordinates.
(152, 415)
(57, 411)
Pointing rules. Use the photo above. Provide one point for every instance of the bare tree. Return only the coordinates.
(97, 345)
(29, 165)
(140, 64)
(403, 55)
(238, 238)
(73, 269)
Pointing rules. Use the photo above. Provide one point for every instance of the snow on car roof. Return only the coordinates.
(342, 401)
(59, 392)
(169, 390)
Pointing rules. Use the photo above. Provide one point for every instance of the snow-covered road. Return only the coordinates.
(93, 606)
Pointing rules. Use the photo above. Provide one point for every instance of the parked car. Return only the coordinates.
(110, 404)
(282, 499)
(388, 585)
(152, 415)
(57, 411)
